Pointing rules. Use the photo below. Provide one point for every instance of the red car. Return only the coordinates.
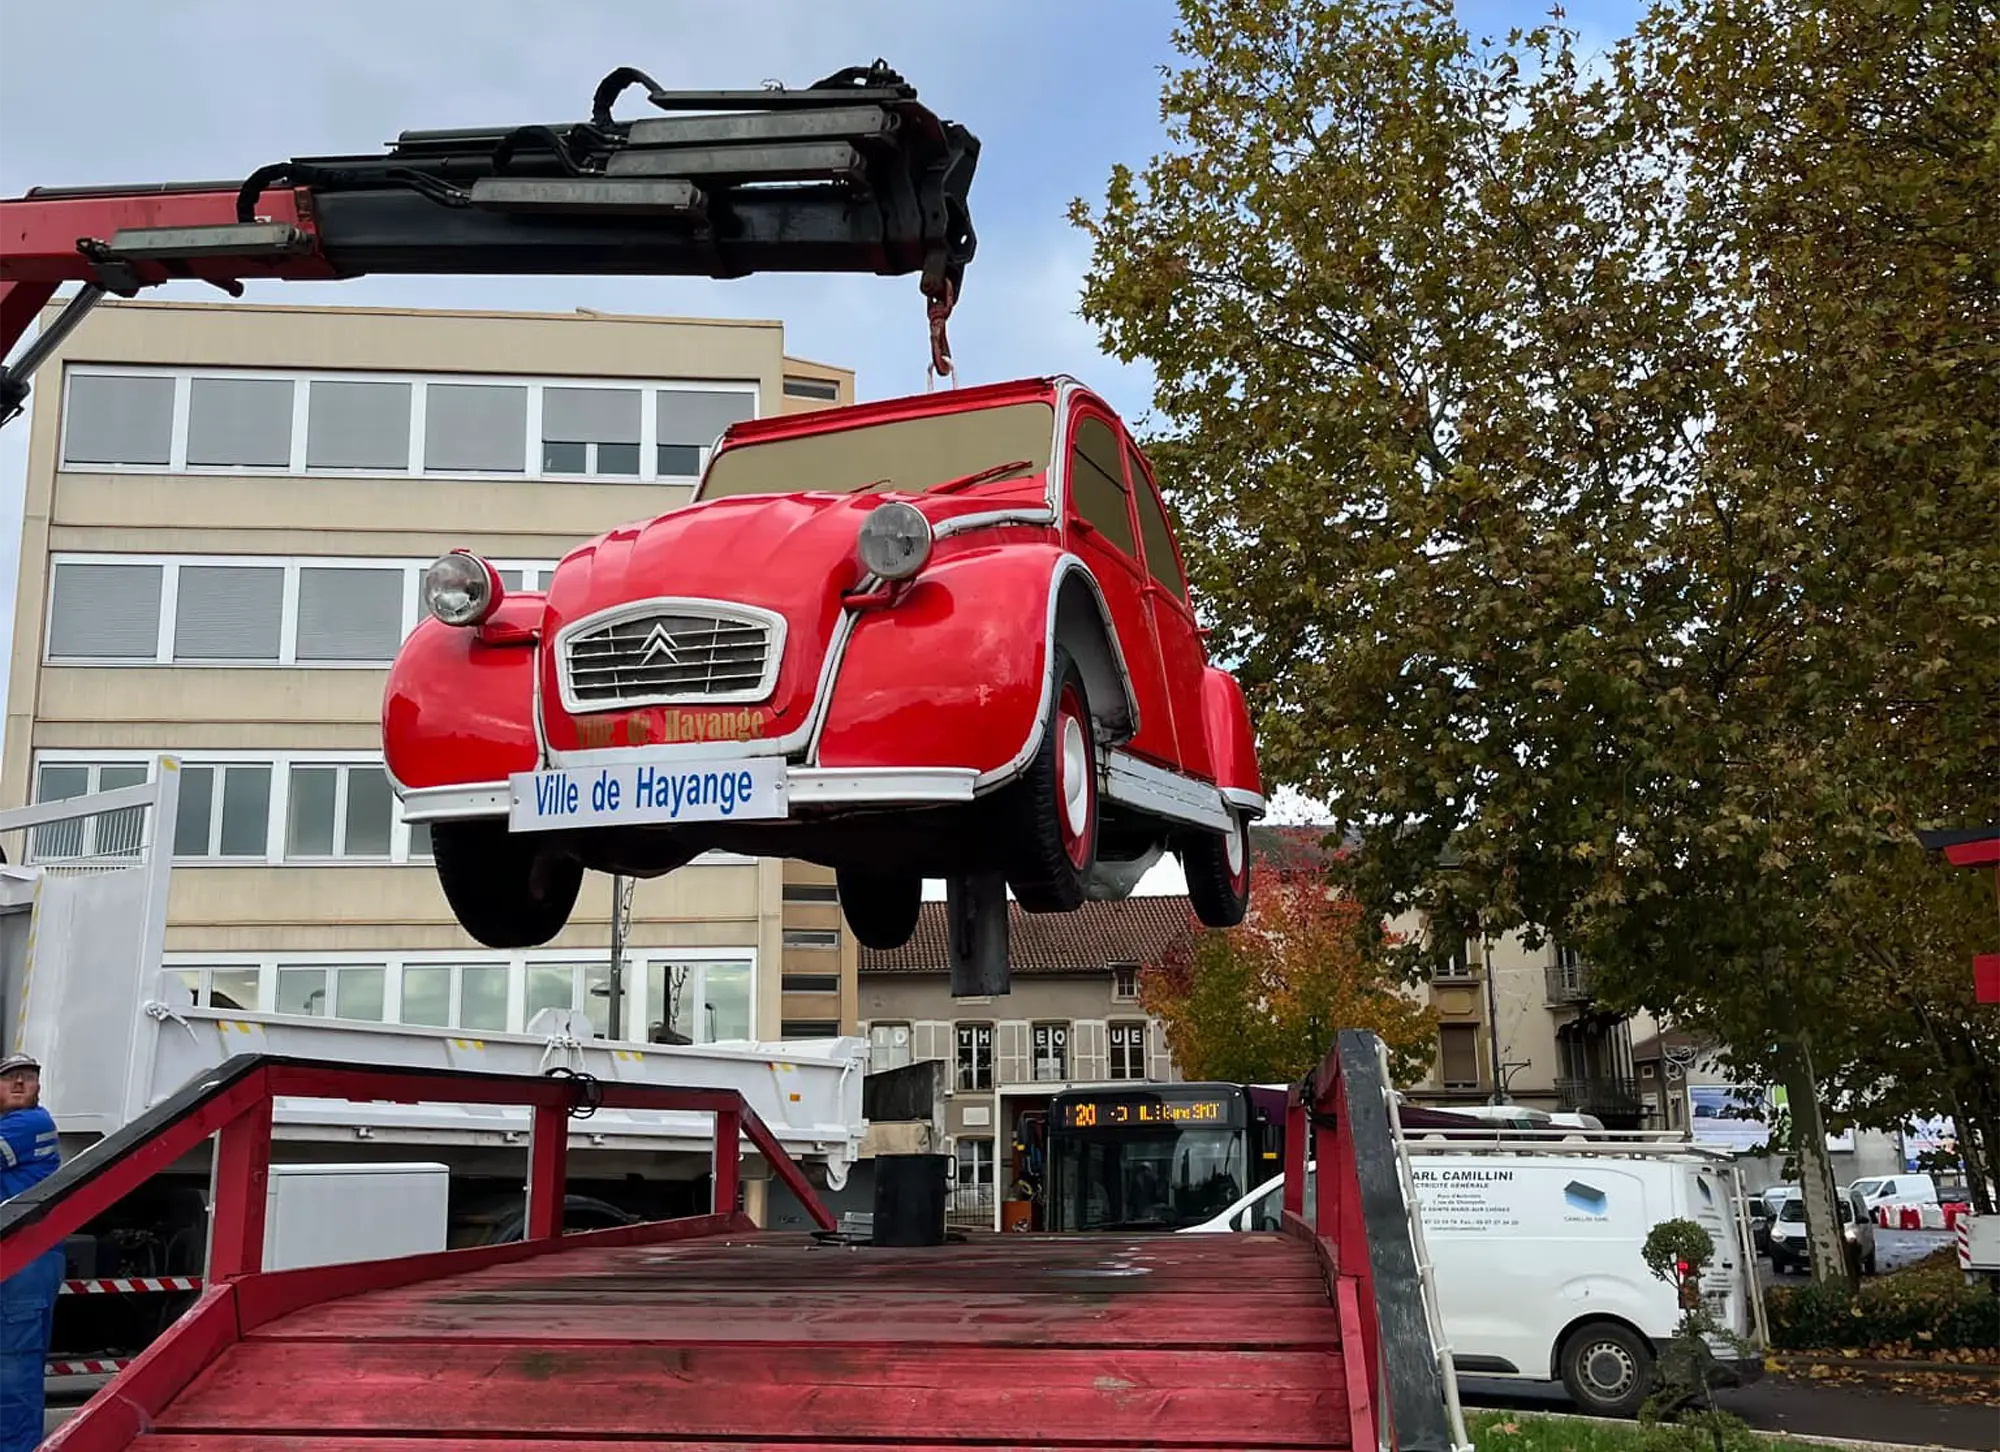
(932, 637)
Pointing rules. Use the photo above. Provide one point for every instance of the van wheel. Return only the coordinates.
(1607, 1369)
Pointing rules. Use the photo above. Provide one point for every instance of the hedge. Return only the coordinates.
(1924, 1307)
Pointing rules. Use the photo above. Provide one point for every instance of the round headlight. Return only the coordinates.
(461, 589)
(895, 540)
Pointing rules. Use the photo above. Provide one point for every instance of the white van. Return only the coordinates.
(1896, 1190)
(1537, 1261)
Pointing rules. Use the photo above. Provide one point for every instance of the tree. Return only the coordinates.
(1592, 468)
(1259, 1003)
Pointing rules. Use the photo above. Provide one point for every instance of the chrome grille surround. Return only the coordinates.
(668, 651)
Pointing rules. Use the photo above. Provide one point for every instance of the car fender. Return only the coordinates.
(1232, 741)
(458, 711)
(934, 679)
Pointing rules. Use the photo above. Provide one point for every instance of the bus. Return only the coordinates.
(1155, 1156)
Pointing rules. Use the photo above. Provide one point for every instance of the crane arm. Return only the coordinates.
(849, 174)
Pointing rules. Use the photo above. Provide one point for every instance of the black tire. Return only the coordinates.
(1052, 856)
(506, 889)
(1217, 867)
(1868, 1265)
(1607, 1369)
(880, 907)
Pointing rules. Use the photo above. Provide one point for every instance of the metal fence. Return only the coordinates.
(103, 831)
(970, 1207)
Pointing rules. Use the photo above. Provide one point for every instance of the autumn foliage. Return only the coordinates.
(1260, 1003)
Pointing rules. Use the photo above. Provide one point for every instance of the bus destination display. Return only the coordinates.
(1114, 1113)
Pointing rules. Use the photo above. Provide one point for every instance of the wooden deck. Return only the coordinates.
(749, 1342)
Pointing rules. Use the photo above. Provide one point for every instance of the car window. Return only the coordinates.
(1266, 1212)
(1792, 1211)
(1154, 530)
(1865, 1188)
(1097, 482)
(911, 454)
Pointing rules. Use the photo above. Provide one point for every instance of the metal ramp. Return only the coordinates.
(703, 1333)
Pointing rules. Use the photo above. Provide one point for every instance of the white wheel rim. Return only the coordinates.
(1075, 776)
(1232, 849)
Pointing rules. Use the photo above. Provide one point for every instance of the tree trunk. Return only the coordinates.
(1826, 1246)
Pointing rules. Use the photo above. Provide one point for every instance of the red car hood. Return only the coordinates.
(793, 554)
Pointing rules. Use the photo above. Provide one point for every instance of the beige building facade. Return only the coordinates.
(228, 511)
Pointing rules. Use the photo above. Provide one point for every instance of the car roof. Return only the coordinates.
(915, 405)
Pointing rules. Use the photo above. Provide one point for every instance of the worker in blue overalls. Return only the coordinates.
(28, 1155)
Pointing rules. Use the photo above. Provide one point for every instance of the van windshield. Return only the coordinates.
(1794, 1211)
(908, 455)
(1865, 1188)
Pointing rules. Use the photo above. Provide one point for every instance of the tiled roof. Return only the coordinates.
(1138, 930)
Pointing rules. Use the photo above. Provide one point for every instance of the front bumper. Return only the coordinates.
(808, 789)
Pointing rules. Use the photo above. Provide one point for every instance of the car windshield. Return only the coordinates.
(1865, 1188)
(1794, 1211)
(908, 455)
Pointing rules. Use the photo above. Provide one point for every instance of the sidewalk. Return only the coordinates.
(1781, 1403)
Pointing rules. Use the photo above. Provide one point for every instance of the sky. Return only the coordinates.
(139, 91)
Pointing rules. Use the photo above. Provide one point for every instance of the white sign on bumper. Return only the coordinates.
(648, 793)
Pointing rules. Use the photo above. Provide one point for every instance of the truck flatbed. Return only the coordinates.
(762, 1340)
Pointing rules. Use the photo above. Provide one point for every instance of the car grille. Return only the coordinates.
(682, 655)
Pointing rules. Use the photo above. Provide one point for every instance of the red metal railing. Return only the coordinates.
(234, 1105)
(1338, 1122)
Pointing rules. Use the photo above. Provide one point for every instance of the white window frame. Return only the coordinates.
(1119, 971)
(1063, 1046)
(811, 940)
(1134, 1051)
(535, 575)
(637, 980)
(648, 389)
(643, 960)
(343, 773)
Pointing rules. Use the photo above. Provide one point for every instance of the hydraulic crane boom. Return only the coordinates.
(849, 174)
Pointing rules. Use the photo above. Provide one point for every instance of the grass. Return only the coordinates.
(1530, 1432)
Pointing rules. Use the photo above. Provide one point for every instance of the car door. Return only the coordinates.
(1182, 655)
(1104, 537)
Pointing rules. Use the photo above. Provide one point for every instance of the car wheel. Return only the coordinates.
(1607, 1369)
(1217, 867)
(506, 889)
(880, 907)
(1054, 805)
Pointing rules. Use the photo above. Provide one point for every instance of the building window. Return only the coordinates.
(1125, 983)
(223, 611)
(974, 1056)
(1458, 1055)
(689, 422)
(228, 612)
(813, 938)
(1051, 1045)
(698, 1001)
(349, 614)
(1460, 963)
(475, 428)
(497, 994)
(225, 811)
(101, 834)
(103, 611)
(119, 419)
(357, 426)
(339, 811)
(1127, 1043)
(345, 990)
(165, 420)
(327, 807)
(809, 1028)
(823, 389)
(975, 1169)
(240, 423)
(888, 1046)
(592, 432)
(811, 892)
(810, 982)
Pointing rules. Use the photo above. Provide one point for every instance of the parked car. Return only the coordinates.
(936, 636)
(1788, 1232)
(1760, 1224)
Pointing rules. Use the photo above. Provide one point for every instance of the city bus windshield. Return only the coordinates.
(1156, 1159)
(907, 455)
